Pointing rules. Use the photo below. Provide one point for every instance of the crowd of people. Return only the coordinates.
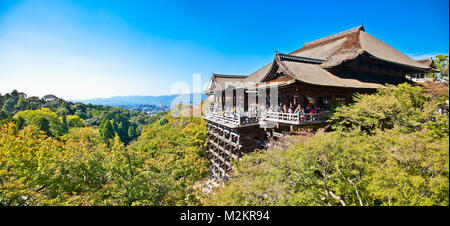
(254, 110)
(295, 109)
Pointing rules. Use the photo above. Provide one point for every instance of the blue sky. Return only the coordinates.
(84, 49)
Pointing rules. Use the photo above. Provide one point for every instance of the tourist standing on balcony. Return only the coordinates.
(298, 109)
(308, 109)
(285, 109)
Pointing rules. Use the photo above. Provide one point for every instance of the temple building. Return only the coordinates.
(297, 90)
(422, 76)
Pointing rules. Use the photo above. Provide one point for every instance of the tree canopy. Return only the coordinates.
(63, 115)
(390, 148)
(441, 62)
(79, 168)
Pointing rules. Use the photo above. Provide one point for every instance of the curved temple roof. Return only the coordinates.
(314, 74)
(352, 43)
(220, 82)
(309, 64)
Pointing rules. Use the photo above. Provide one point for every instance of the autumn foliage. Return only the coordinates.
(79, 168)
(389, 148)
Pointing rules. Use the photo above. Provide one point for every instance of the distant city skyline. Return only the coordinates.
(96, 49)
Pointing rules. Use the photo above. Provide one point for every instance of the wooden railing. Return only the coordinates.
(223, 118)
(232, 120)
(281, 117)
(295, 118)
(288, 118)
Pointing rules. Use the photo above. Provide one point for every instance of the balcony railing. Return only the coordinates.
(280, 117)
(295, 118)
(232, 120)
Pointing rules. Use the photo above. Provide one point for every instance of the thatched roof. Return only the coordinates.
(427, 62)
(310, 64)
(314, 74)
(220, 82)
(258, 75)
(352, 43)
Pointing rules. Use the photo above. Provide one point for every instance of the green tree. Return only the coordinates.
(177, 149)
(389, 148)
(34, 103)
(74, 121)
(133, 179)
(21, 104)
(410, 107)
(78, 168)
(122, 132)
(163, 122)
(20, 122)
(106, 130)
(8, 106)
(15, 93)
(2, 100)
(57, 127)
(441, 62)
(344, 168)
(3, 115)
(43, 125)
(81, 113)
(38, 170)
(132, 132)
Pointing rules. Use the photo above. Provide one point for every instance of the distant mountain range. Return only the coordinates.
(142, 100)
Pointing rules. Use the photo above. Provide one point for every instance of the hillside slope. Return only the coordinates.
(389, 148)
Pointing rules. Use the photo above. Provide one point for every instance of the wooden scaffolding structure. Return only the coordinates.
(226, 144)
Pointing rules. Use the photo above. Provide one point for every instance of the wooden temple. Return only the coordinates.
(422, 77)
(297, 90)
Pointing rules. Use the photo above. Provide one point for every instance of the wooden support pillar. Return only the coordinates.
(238, 141)
(223, 100)
(234, 98)
(231, 145)
(245, 100)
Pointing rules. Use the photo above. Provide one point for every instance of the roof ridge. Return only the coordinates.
(299, 58)
(359, 28)
(229, 76)
(422, 59)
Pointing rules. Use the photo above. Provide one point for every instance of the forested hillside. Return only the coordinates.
(82, 166)
(56, 116)
(54, 152)
(390, 148)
